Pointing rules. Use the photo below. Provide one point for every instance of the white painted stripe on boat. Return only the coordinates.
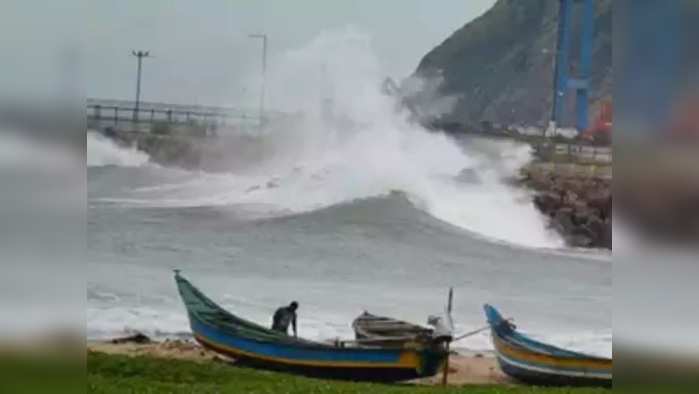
(575, 374)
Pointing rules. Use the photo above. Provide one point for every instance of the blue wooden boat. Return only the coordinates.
(258, 346)
(534, 362)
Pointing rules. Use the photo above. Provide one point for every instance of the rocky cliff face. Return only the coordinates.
(500, 66)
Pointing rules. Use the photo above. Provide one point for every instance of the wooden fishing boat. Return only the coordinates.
(386, 331)
(258, 346)
(534, 362)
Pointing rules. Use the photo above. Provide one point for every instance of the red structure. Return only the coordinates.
(601, 129)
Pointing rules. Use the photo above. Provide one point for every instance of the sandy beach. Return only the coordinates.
(463, 369)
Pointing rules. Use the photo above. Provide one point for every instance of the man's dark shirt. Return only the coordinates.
(282, 318)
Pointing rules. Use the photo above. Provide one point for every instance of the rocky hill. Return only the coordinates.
(500, 65)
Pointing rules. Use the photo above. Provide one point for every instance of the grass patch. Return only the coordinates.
(121, 374)
(41, 373)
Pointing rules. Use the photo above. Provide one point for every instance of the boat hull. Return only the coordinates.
(254, 345)
(537, 363)
(551, 371)
(339, 363)
(548, 378)
(358, 373)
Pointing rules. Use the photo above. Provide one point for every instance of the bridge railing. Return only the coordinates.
(147, 105)
(118, 114)
(123, 113)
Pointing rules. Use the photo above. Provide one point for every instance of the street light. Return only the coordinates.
(263, 37)
(140, 55)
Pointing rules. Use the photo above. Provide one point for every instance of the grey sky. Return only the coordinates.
(202, 51)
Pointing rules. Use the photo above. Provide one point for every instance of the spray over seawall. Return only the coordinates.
(347, 140)
(354, 141)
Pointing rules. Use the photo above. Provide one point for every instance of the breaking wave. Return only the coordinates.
(102, 151)
(348, 140)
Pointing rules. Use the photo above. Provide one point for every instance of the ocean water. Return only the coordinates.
(359, 210)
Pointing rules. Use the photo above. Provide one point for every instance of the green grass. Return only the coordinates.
(41, 373)
(121, 374)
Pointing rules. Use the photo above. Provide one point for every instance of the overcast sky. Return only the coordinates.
(201, 49)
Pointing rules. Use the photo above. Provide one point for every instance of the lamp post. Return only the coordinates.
(140, 55)
(263, 37)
